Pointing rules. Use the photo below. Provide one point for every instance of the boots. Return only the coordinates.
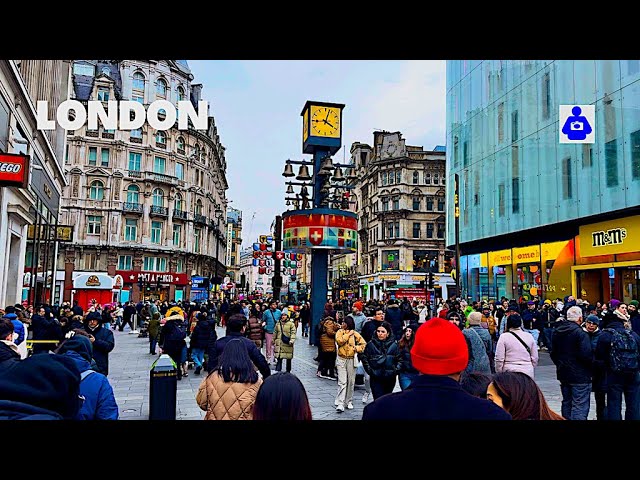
(197, 371)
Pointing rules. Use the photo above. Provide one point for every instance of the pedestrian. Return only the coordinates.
(200, 338)
(327, 360)
(598, 385)
(46, 331)
(282, 397)
(517, 350)
(128, 315)
(406, 370)
(256, 333)
(395, 317)
(349, 343)
(99, 400)
(476, 384)
(230, 390)
(380, 361)
(480, 345)
(154, 332)
(269, 319)
(172, 339)
(284, 338)
(368, 332)
(440, 354)
(9, 354)
(518, 394)
(102, 340)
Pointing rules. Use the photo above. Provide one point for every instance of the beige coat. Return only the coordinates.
(227, 401)
(283, 350)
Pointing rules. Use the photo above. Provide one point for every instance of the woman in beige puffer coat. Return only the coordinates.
(284, 350)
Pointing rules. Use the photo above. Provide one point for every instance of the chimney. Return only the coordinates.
(196, 91)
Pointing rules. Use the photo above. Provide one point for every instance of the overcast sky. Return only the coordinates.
(257, 104)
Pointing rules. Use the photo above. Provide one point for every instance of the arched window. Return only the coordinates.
(133, 194)
(197, 152)
(415, 178)
(177, 203)
(158, 198)
(96, 192)
(436, 180)
(161, 88)
(180, 143)
(138, 81)
(181, 94)
(427, 179)
(199, 207)
(161, 137)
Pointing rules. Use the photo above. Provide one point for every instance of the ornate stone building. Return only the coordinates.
(401, 215)
(147, 205)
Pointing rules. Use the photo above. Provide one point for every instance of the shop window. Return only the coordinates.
(390, 259)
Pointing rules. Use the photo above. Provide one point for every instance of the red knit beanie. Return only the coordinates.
(443, 313)
(439, 348)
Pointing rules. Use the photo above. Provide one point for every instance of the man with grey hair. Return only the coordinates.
(572, 354)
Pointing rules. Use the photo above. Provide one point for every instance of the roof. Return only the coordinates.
(440, 148)
(184, 65)
(83, 84)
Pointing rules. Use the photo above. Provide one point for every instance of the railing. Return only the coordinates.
(180, 214)
(161, 177)
(135, 173)
(132, 207)
(200, 218)
(155, 210)
(135, 139)
(161, 145)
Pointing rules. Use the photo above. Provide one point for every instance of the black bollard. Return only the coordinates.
(163, 389)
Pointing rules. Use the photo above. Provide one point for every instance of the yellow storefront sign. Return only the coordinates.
(550, 251)
(526, 254)
(613, 236)
(500, 257)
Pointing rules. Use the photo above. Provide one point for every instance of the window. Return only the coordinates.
(161, 88)
(233, 260)
(180, 171)
(177, 233)
(396, 203)
(427, 179)
(103, 94)
(384, 179)
(156, 232)
(83, 69)
(161, 138)
(501, 200)
(155, 264)
(416, 204)
(363, 159)
(429, 204)
(91, 261)
(429, 230)
(199, 207)
(416, 230)
(397, 227)
(159, 165)
(566, 178)
(441, 204)
(179, 266)
(134, 161)
(181, 95)
(196, 243)
(131, 230)
(440, 230)
(96, 191)
(515, 194)
(611, 163)
(93, 155)
(177, 203)
(104, 154)
(456, 151)
(385, 204)
(436, 179)
(138, 82)
(137, 98)
(443, 179)
(587, 154)
(635, 154)
(465, 153)
(501, 122)
(180, 144)
(514, 126)
(398, 176)
(416, 178)
(137, 133)
(93, 224)
(133, 194)
(124, 262)
(390, 230)
(158, 197)
(546, 96)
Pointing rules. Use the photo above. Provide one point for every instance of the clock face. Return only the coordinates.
(391, 149)
(325, 121)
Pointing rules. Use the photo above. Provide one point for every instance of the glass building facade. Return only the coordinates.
(515, 176)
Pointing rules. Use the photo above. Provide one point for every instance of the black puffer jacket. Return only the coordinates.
(404, 361)
(379, 358)
(201, 334)
(572, 354)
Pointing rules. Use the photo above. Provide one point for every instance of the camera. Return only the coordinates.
(577, 126)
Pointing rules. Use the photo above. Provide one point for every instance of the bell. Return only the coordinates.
(290, 189)
(288, 203)
(305, 203)
(338, 176)
(296, 204)
(303, 174)
(351, 175)
(325, 189)
(304, 191)
(288, 170)
(326, 166)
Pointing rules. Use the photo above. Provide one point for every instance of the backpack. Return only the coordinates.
(178, 333)
(623, 356)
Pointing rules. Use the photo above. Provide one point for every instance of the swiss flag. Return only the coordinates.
(262, 270)
(316, 235)
(279, 255)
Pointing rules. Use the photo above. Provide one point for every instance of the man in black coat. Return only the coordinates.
(571, 352)
(103, 343)
(236, 326)
(440, 355)
(203, 333)
(45, 327)
(77, 309)
(394, 317)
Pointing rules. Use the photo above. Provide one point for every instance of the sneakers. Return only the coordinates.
(365, 397)
(350, 406)
(340, 408)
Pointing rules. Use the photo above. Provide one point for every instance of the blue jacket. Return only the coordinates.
(18, 327)
(99, 400)
(214, 351)
(433, 397)
(271, 318)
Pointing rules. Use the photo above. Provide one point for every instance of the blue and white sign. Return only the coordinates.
(577, 123)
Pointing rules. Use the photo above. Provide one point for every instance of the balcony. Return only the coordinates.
(162, 178)
(108, 135)
(135, 173)
(200, 218)
(133, 139)
(163, 146)
(132, 207)
(155, 210)
(91, 133)
(179, 214)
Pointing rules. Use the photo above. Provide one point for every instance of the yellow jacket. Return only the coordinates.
(349, 343)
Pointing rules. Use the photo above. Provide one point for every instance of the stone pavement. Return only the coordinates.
(130, 363)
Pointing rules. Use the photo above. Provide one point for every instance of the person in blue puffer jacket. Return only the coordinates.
(99, 400)
(18, 326)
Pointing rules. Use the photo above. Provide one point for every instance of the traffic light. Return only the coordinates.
(430, 279)
(140, 282)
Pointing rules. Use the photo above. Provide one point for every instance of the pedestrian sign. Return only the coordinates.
(577, 123)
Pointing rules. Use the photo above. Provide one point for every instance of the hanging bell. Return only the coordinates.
(305, 203)
(303, 174)
(304, 192)
(290, 189)
(338, 176)
(288, 170)
(326, 167)
(288, 203)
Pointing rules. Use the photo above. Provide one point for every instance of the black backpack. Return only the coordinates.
(179, 332)
(623, 356)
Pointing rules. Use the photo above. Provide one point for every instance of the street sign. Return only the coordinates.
(230, 285)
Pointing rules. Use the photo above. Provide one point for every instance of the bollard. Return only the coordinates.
(163, 389)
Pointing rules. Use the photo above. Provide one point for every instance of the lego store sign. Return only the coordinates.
(611, 237)
(14, 170)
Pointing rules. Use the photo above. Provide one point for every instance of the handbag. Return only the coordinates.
(285, 338)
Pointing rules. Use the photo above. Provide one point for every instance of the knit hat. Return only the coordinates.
(531, 302)
(475, 318)
(443, 313)
(79, 344)
(547, 301)
(635, 303)
(614, 303)
(439, 348)
(513, 308)
(593, 319)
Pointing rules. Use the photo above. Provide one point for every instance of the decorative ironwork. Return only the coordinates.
(132, 207)
(180, 214)
(156, 210)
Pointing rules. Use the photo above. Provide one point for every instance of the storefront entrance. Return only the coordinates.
(603, 284)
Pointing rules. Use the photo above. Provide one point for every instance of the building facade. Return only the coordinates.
(401, 214)
(147, 205)
(32, 212)
(233, 243)
(539, 217)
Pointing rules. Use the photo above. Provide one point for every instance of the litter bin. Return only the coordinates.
(163, 388)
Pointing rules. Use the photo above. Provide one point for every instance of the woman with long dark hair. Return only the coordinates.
(379, 360)
(519, 394)
(406, 372)
(282, 397)
(235, 378)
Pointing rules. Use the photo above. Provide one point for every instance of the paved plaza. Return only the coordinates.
(130, 363)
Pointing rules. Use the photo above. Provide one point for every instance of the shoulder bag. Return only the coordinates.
(285, 338)
(521, 341)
